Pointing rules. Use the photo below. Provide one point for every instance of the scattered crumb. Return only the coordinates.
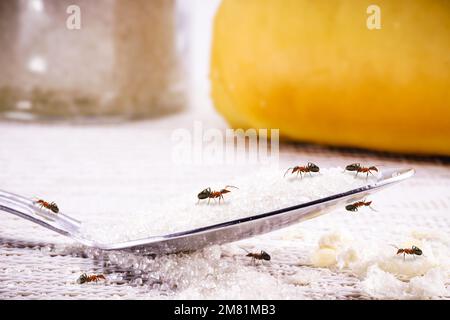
(333, 248)
(324, 257)
(303, 277)
(385, 274)
(381, 284)
(432, 284)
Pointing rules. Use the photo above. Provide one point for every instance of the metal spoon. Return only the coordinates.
(201, 237)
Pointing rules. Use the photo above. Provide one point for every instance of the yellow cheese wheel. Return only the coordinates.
(316, 71)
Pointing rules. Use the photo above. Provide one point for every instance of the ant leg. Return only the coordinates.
(209, 199)
(356, 174)
(310, 174)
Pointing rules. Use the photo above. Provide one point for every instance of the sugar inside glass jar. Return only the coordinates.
(90, 60)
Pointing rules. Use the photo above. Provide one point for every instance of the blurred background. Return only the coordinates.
(348, 73)
(123, 61)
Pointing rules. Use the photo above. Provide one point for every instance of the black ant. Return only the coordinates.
(354, 206)
(209, 194)
(358, 168)
(412, 251)
(50, 206)
(310, 167)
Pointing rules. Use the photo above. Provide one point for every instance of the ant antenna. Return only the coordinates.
(245, 250)
(287, 171)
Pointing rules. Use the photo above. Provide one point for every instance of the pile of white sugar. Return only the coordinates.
(258, 193)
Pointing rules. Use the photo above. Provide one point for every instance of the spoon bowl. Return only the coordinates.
(198, 238)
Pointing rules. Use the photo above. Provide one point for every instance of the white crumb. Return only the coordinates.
(385, 274)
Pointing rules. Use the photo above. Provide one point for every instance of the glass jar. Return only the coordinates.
(84, 59)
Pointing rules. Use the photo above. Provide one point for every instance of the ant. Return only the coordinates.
(50, 206)
(84, 278)
(358, 168)
(310, 167)
(354, 206)
(209, 194)
(413, 251)
(258, 255)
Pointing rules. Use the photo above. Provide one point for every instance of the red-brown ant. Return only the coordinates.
(354, 206)
(358, 168)
(310, 167)
(84, 278)
(412, 251)
(50, 206)
(209, 194)
(258, 255)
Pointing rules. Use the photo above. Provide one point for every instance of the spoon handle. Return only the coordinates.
(28, 209)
